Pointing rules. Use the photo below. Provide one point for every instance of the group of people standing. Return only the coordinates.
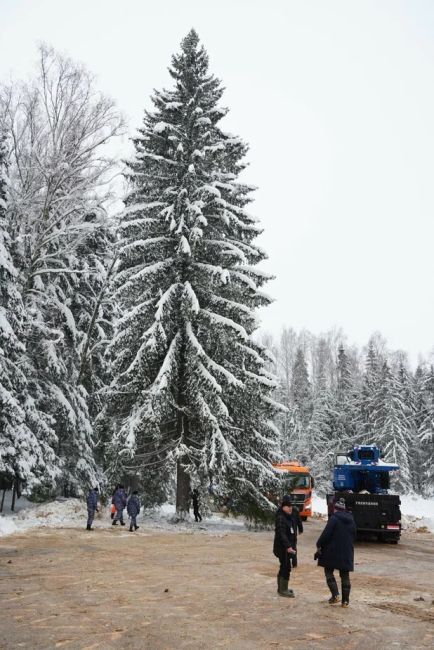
(334, 548)
(120, 501)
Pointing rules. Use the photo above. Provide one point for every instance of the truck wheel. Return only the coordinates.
(304, 518)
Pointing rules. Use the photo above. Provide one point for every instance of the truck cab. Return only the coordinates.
(297, 481)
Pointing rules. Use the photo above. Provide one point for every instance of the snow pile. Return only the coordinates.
(62, 513)
(72, 513)
(417, 512)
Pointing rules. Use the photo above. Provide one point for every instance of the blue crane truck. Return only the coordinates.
(362, 479)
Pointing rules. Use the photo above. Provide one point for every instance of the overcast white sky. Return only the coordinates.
(336, 99)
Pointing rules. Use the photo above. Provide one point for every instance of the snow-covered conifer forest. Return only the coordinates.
(129, 340)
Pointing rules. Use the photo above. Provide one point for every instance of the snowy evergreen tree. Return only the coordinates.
(346, 402)
(322, 433)
(26, 456)
(392, 427)
(192, 383)
(423, 450)
(60, 126)
(301, 391)
(370, 390)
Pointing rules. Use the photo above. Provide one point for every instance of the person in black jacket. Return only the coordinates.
(335, 550)
(196, 505)
(298, 527)
(283, 547)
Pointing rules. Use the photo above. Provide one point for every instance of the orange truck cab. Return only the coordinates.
(297, 481)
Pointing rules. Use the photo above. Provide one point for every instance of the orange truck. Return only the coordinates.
(299, 483)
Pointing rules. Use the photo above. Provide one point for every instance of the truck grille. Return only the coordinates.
(298, 499)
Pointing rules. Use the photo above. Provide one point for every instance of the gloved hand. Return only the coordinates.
(317, 554)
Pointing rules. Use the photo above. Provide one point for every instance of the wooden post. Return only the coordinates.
(14, 492)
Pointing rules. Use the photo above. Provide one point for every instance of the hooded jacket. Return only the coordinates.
(284, 533)
(133, 505)
(120, 499)
(92, 500)
(337, 542)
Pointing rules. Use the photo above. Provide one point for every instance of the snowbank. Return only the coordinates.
(62, 513)
(417, 512)
(72, 513)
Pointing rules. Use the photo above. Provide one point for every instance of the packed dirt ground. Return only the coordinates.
(68, 588)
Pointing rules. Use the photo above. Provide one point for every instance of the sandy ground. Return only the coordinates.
(160, 590)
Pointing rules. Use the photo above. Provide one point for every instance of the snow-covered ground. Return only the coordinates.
(72, 513)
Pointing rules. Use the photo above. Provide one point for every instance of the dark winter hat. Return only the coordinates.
(340, 505)
(96, 489)
(286, 500)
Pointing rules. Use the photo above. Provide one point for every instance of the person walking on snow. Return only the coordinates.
(335, 550)
(92, 506)
(195, 499)
(120, 501)
(133, 509)
(283, 547)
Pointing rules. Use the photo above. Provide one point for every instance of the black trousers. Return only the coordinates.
(285, 564)
(197, 515)
(332, 584)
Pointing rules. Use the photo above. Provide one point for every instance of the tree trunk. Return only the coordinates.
(14, 493)
(182, 478)
(3, 500)
(182, 490)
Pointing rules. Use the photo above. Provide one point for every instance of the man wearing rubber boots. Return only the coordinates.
(335, 550)
(284, 543)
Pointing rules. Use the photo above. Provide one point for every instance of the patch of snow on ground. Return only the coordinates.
(417, 512)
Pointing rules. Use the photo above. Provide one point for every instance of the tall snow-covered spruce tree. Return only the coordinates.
(27, 460)
(192, 383)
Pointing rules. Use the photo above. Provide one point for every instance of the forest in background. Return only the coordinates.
(339, 395)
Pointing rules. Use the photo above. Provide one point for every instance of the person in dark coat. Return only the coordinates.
(298, 527)
(92, 506)
(133, 509)
(196, 505)
(335, 550)
(283, 547)
(120, 501)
